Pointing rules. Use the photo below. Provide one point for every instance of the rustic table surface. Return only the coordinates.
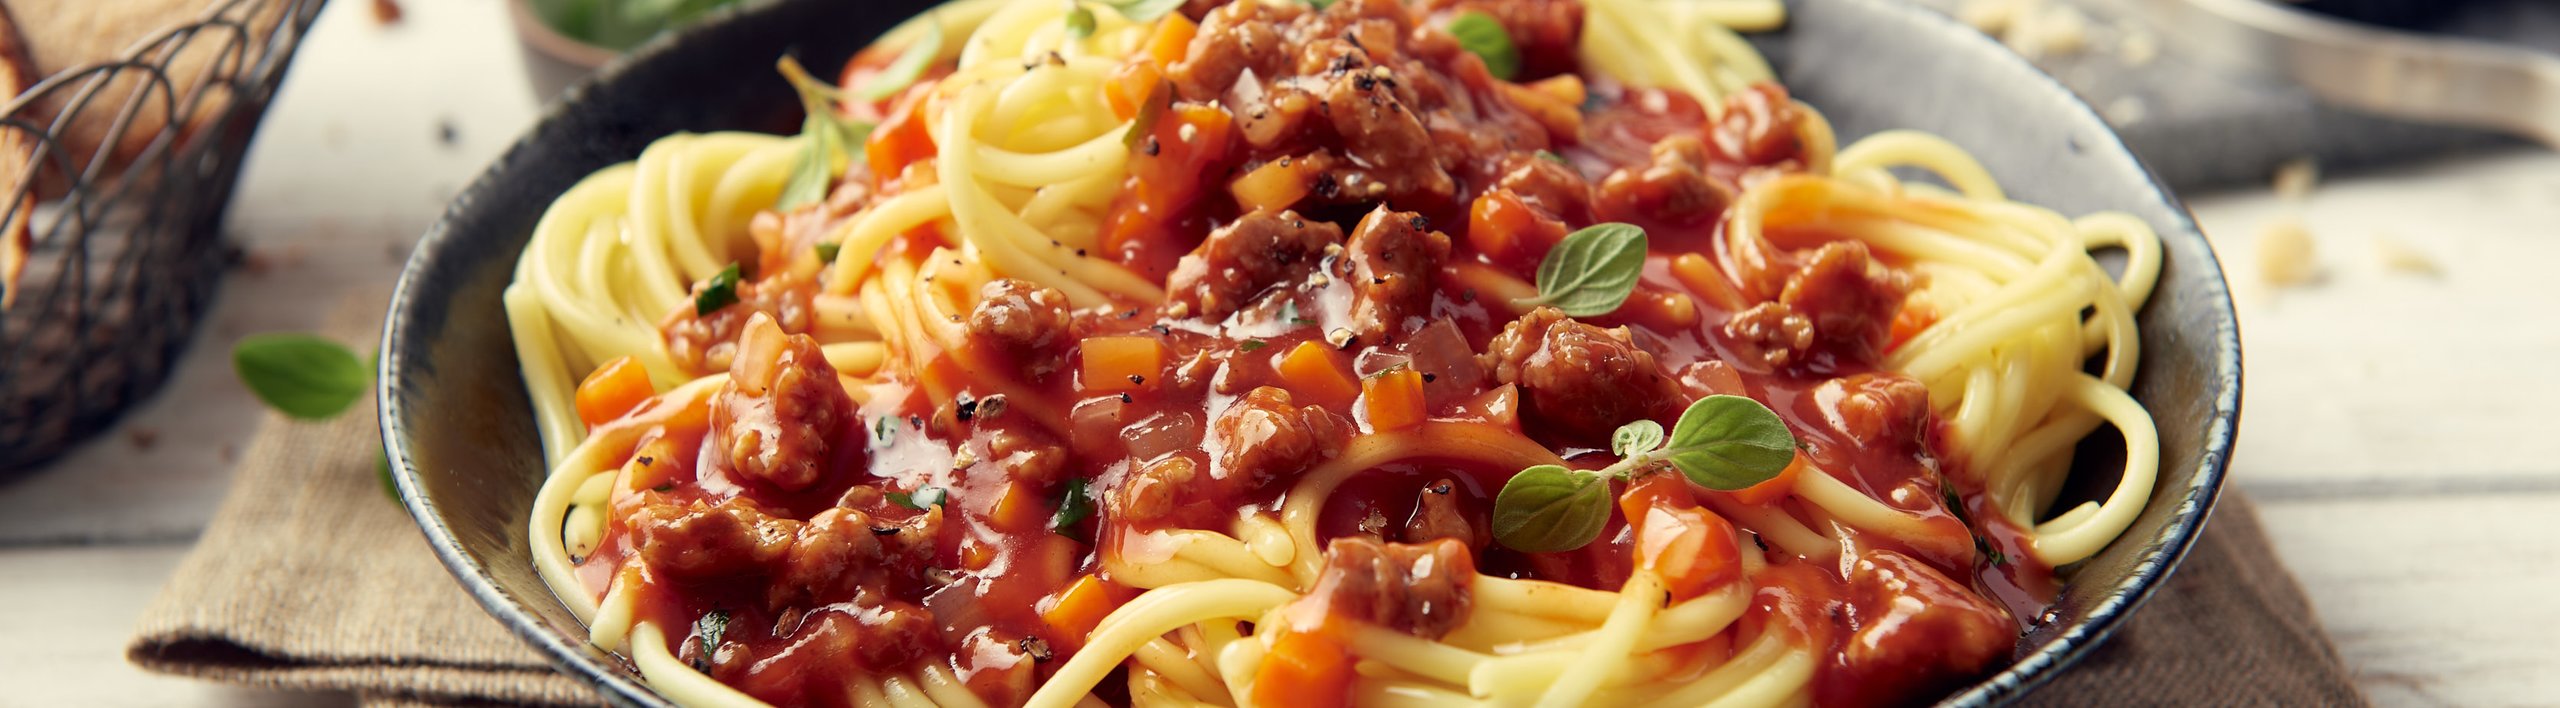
(2401, 432)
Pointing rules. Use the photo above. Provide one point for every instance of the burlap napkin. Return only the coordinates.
(310, 577)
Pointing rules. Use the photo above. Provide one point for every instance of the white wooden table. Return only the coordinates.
(2400, 432)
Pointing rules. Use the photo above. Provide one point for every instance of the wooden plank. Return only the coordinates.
(351, 166)
(2374, 373)
(71, 611)
(2433, 600)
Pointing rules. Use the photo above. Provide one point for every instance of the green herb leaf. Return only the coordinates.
(923, 498)
(1636, 438)
(1592, 271)
(1730, 442)
(1143, 10)
(880, 427)
(1073, 507)
(825, 136)
(1252, 345)
(1159, 101)
(1320, 4)
(1549, 508)
(1080, 22)
(1482, 35)
(1551, 156)
(301, 375)
(706, 634)
(827, 252)
(904, 70)
(718, 292)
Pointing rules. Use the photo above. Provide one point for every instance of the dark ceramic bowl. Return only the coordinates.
(460, 429)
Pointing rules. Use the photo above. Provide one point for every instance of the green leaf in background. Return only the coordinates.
(1143, 10)
(1080, 22)
(1548, 508)
(1730, 442)
(825, 137)
(827, 251)
(301, 375)
(1592, 271)
(620, 24)
(1636, 438)
(1483, 36)
(903, 71)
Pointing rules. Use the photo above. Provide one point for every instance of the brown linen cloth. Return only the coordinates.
(310, 578)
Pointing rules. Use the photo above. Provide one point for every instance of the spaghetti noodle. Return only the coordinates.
(1178, 360)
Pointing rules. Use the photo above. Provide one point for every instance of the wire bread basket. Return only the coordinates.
(117, 180)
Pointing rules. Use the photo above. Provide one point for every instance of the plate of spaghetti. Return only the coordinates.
(1362, 352)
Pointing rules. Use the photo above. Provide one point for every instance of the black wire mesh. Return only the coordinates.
(127, 223)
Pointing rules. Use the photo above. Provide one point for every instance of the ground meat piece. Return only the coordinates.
(1154, 493)
(1761, 126)
(1247, 256)
(1838, 302)
(1439, 513)
(873, 633)
(1778, 333)
(1422, 589)
(1393, 258)
(1550, 186)
(1673, 191)
(1019, 317)
(1917, 630)
(702, 344)
(1265, 435)
(1024, 450)
(1381, 131)
(1547, 33)
(1579, 380)
(1233, 39)
(829, 556)
(1875, 410)
(778, 416)
(698, 542)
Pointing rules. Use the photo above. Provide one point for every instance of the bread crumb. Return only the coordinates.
(2398, 257)
(2296, 177)
(386, 12)
(2286, 255)
(1990, 16)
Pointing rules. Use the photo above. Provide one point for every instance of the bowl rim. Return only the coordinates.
(2192, 505)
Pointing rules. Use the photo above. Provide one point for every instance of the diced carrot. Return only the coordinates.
(1075, 611)
(976, 554)
(1129, 87)
(1122, 363)
(1303, 669)
(1274, 186)
(1509, 231)
(1691, 549)
(899, 141)
(1019, 509)
(1775, 488)
(1315, 373)
(612, 390)
(1182, 143)
(1394, 399)
(1172, 40)
(1909, 322)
